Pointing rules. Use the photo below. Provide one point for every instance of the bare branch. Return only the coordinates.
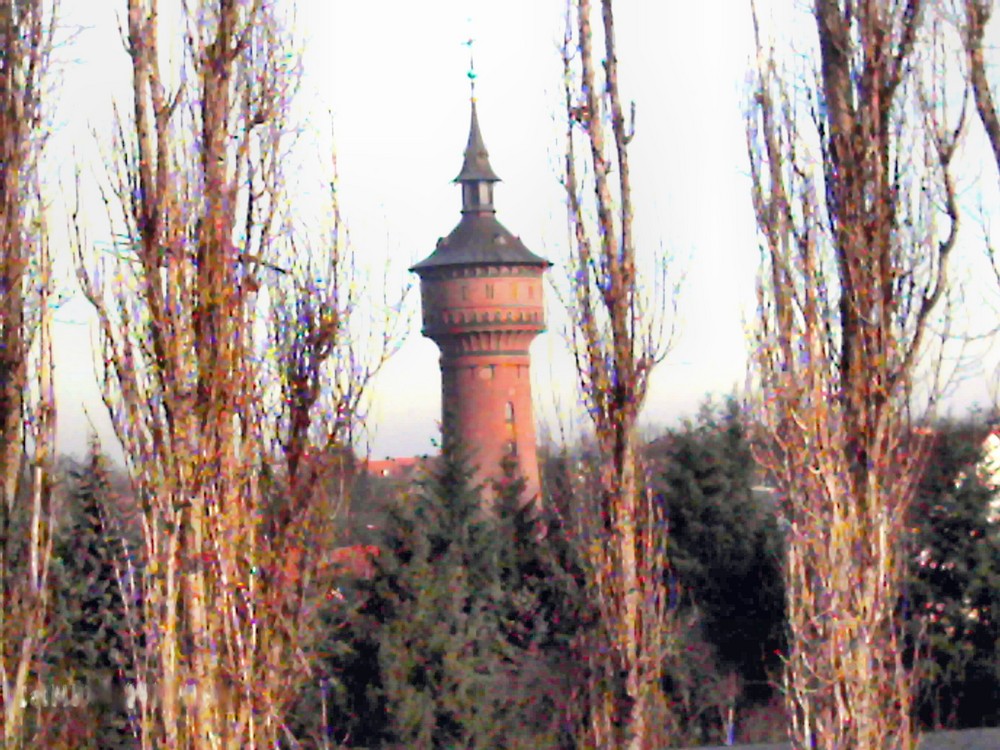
(852, 271)
(615, 345)
(27, 403)
(233, 530)
(977, 18)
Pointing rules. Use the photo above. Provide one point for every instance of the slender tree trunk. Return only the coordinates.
(180, 373)
(27, 405)
(977, 17)
(236, 415)
(852, 270)
(615, 352)
(978, 14)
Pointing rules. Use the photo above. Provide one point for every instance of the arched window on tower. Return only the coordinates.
(508, 413)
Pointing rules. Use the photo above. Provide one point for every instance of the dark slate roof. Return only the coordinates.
(476, 165)
(969, 739)
(479, 239)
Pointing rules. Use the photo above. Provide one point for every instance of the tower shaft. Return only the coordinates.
(483, 321)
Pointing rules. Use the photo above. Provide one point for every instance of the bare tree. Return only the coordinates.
(977, 16)
(854, 260)
(616, 349)
(27, 406)
(324, 347)
(218, 343)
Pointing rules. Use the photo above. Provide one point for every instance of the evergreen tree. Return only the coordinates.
(342, 705)
(955, 576)
(546, 609)
(724, 547)
(465, 636)
(92, 648)
(517, 563)
(443, 656)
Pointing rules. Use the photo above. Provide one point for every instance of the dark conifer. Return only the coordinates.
(955, 576)
(724, 547)
(442, 653)
(92, 651)
(462, 638)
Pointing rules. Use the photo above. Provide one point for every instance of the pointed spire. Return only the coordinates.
(476, 166)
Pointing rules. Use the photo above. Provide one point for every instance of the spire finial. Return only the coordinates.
(476, 166)
(470, 42)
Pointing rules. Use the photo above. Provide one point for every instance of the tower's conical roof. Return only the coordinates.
(479, 239)
(476, 166)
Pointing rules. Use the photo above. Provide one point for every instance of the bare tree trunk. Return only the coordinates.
(977, 17)
(26, 40)
(236, 410)
(27, 405)
(852, 269)
(615, 353)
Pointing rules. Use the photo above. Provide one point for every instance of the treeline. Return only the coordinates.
(472, 628)
(235, 369)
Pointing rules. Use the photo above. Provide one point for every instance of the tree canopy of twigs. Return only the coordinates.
(616, 348)
(856, 208)
(27, 406)
(228, 371)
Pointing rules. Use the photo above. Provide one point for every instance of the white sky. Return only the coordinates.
(393, 74)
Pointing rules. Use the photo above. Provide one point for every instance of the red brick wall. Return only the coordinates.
(484, 324)
(487, 402)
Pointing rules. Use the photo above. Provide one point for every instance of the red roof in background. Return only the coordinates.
(394, 467)
(358, 560)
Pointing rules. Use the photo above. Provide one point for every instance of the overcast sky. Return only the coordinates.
(393, 73)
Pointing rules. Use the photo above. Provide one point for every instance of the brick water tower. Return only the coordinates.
(481, 291)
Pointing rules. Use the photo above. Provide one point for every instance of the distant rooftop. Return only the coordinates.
(394, 468)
